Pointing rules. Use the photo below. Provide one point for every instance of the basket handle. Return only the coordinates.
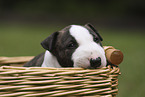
(114, 56)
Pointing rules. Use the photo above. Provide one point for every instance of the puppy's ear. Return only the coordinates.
(49, 42)
(90, 26)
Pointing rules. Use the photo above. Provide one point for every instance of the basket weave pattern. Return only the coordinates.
(44, 82)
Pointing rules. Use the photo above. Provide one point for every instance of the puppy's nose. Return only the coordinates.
(95, 62)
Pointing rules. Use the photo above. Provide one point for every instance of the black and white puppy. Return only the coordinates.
(73, 46)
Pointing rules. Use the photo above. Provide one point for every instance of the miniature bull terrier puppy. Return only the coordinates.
(74, 46)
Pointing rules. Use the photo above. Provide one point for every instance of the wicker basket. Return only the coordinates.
(45, 82)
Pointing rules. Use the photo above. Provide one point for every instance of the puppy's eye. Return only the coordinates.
(96, 39)
(71, 45)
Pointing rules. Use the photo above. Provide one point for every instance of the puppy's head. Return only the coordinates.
(77, 46)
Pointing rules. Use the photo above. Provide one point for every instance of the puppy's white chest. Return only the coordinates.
(50, 61)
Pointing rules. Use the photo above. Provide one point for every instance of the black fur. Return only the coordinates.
(65, 45)
(97, 37)
(49, 42)
(62, 45)
(36, 61)
(91, 27)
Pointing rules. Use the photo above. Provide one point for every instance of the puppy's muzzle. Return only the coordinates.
(94, 63)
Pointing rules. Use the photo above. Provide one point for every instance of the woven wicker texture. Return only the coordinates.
(15, 61)
(45, 82)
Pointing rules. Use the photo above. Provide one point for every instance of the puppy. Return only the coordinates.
(74, 46)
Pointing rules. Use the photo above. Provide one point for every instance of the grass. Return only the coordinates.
(25, 41)
(22, 40)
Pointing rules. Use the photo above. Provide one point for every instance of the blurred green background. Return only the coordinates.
(25, 23)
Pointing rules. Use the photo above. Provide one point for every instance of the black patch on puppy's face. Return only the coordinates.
(96, 36)
(62, 45)
(64, 48)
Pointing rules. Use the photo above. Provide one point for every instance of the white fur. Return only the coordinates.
(81, 57)
(87, 48)
(50, 61)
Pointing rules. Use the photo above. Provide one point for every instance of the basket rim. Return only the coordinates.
(53, 68)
